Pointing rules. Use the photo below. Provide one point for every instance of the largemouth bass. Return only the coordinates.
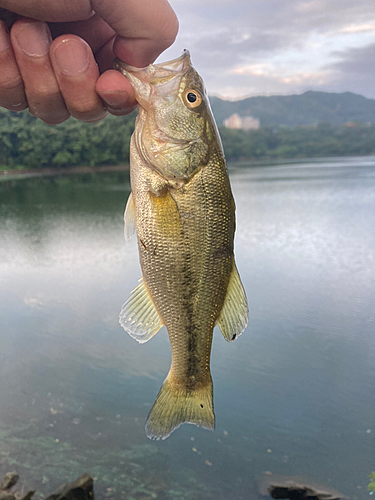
(183, 212)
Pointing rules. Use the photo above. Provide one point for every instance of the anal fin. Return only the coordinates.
(234, 315)
(138, 315)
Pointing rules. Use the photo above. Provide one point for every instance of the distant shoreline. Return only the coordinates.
(39, 172)
(54, 171)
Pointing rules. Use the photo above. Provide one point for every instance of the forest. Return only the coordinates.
(28, 143)
(309, 108)
(299, 142)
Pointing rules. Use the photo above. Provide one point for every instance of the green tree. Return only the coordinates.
(26, 142)
(371, 484)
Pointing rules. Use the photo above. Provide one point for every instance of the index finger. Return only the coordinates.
(144, 28)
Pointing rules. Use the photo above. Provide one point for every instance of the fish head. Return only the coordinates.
(175, 131)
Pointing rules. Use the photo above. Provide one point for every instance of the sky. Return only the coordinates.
(246, 48)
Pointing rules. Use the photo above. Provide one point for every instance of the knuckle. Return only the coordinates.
(44, 96)
(13, 107)
(49, 91)
(84, 106)
(10, 81)
(51, 118)
(87, 110)
(12, 95)
(46, 103)
(55, 120)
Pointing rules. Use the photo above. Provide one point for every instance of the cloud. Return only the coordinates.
(284, 75)
(276, 46)
(355, 70)
(359, 28)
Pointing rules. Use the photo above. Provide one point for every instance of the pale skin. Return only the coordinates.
(57, 58)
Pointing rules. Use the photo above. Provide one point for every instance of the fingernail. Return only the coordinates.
(72, 57)
(34, 39)
(4, 40)
(115, 99)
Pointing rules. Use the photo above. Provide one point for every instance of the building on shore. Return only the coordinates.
(241, 122)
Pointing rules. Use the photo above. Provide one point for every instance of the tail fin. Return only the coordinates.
(175, 406)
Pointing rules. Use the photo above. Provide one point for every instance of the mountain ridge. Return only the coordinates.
(310, 108)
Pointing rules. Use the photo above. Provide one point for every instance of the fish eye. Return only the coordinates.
(192, 98)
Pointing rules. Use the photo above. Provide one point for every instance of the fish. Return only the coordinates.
(182, 210)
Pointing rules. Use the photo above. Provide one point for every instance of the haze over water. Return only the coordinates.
(293, 395)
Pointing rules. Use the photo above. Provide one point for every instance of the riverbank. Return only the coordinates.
(75, 389)
(80, 489)
(39, 172)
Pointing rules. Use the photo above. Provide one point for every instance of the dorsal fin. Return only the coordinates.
(234, 314)
(129, 218)
(138, 315)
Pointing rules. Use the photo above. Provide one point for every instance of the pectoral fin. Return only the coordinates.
(129, 218)
(234, 314)
(138, 315)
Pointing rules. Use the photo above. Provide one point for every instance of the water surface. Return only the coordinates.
(293, 395)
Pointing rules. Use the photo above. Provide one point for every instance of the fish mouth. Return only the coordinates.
(152, 82)
(162, 79)
(156, 73)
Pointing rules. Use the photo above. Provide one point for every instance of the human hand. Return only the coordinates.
(56, 59)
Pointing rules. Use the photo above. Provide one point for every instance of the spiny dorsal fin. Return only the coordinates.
(129, 218)
(138, 315)
(235, 313)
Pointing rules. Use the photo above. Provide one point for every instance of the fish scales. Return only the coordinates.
(195, 281)
(183, 212)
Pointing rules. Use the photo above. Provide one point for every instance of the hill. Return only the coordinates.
(310, 108)
(27, 143)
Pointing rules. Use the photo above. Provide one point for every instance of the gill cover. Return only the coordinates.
(175, 124)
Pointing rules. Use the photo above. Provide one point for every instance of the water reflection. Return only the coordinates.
(293, 395)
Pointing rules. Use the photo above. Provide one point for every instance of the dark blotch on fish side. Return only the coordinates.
(223, 252)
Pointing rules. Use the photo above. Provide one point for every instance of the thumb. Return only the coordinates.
(145, 28)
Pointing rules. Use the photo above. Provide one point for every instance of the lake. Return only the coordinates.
(294, 395)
